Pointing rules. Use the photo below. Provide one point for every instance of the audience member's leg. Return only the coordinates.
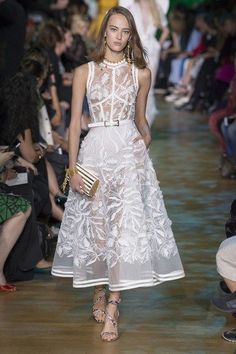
(54, 191)
(214, 125)
(11, 229)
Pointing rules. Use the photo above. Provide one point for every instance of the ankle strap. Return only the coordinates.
(114, 302)
(100, 289)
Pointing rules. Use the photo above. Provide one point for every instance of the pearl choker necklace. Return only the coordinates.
(108, 62)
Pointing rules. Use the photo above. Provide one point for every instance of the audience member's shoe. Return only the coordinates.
(42, 270)
(223, 288)
(230, 335)
(181, 101)
(182, 106)
(189, 107)
(171, 98)
(160, 91)
(7, 288)
(213, 108)
(60, 199)
(226, 303)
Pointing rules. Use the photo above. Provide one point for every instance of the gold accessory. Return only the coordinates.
(129, 59)
(90, 180)
(114, 63)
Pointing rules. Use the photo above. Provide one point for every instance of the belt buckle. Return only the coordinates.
(114, 123)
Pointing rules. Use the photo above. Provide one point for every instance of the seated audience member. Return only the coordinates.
(228, 129)
(218, 128)
(52, 38)
(225, 61)
(52, 8)
(179, 64)
(77, 53)
(182, 37)
(194, 59)
(15, 211)
(25, 256)
(208, 64)
(19, 120)
(51, 140)
(226, 266)
(12, 36)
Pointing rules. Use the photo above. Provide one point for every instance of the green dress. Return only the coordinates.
(11, 205)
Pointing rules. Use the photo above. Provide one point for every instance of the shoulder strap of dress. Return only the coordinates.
(135, 76)
(91, 69)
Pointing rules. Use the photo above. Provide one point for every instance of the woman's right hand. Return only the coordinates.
(77, 183)
(5, 156)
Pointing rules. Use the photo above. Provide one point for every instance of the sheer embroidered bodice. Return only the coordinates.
(111, 91)
(122, 236)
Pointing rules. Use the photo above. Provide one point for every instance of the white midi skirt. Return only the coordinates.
(122, 236)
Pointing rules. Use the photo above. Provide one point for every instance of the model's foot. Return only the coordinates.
(110, 329)
(99, 304)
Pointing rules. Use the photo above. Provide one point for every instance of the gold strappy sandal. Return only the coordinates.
(114, 334)
(101, 299)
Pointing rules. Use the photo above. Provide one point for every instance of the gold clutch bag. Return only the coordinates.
(90, 180)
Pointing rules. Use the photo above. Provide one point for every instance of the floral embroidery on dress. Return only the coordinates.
(121, 236)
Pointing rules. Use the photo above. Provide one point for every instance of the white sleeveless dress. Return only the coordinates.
(122, 236)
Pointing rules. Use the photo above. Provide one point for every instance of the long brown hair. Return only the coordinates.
(137, 52)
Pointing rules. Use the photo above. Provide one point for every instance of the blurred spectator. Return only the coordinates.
(219, 122)
(181, 29)
(12, 36)
(15, 211)
(77, 53)
(150, 19)
(226, 266)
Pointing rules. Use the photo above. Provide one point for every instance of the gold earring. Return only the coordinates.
(105, 40)
(129, 59)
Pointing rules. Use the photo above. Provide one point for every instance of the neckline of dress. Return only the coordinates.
(109, 63)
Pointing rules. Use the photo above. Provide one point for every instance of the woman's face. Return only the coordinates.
(117, 32)
(68, 39)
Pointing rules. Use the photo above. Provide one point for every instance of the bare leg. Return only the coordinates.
(99, 303)
(43, 264)
(57, 212)
(53, 186)
(110, 329)
(9, 234)
(54, 190)
(231, 284)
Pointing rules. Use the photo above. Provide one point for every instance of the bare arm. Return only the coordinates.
(78, 93)
(144, 79)
(164, 35)
(56, 120)
(27, 148)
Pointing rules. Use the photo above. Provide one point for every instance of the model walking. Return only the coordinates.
(122, 236)
(150, 18)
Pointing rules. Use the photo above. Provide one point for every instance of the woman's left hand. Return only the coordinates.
(27, 165)
(10, 173)
(5, 156)
(140, 137)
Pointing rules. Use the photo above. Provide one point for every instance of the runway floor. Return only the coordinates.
(47, 316)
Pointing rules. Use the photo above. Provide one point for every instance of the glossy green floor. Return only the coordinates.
(48, 316)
